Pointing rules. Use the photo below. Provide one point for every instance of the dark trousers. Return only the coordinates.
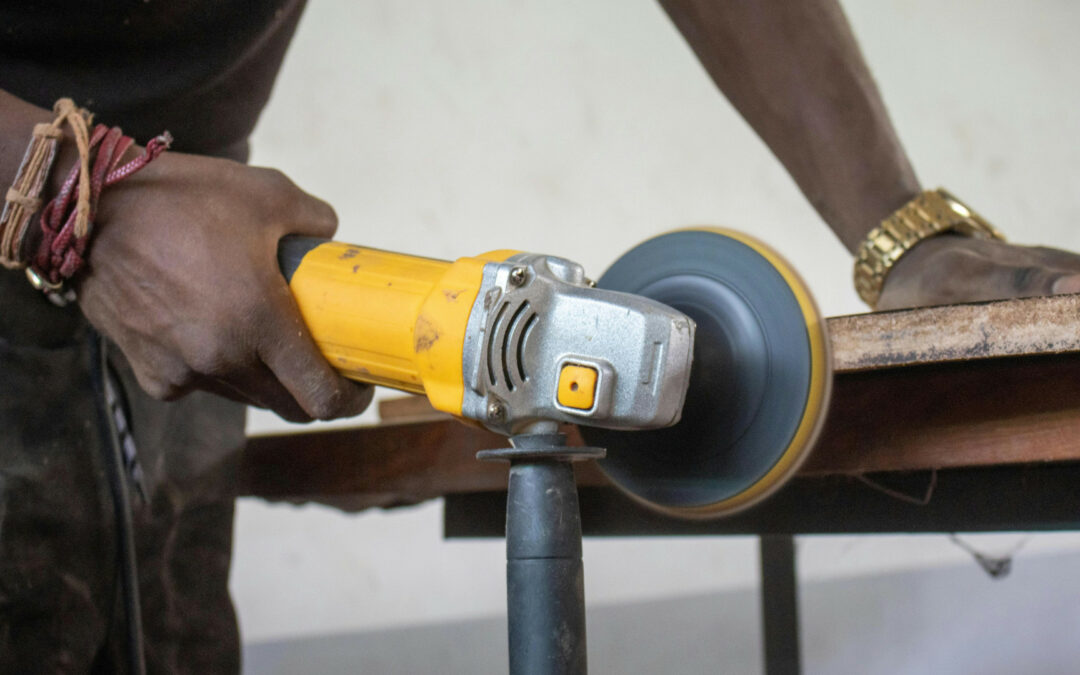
(60, 607)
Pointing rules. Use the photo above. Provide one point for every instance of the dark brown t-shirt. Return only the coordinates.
(202, 69)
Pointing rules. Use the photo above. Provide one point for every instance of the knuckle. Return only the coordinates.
(275, 178)
(214, 350)
(163, 387)
(159, 374)
(155, 388)
(255, 318)
(209, 361)
(276, 189)
(181, 383)
(1030, 277)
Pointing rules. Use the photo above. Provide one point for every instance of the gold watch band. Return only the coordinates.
(931, 213)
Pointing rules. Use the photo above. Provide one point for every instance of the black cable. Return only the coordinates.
(114, 462)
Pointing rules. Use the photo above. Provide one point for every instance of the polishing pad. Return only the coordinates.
(760, 381)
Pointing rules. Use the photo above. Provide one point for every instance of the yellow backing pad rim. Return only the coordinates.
(813, 418)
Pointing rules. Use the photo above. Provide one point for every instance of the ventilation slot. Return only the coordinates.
(493, 331)
(520, 350)
(506, 346)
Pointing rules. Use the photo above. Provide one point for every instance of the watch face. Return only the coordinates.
(972, 225)
(957, 206)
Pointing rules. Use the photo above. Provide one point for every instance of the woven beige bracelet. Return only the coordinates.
(23, 198)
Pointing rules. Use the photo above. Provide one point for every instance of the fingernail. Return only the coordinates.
(1070, 284)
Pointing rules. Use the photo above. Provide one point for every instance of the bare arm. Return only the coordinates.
(795, 72)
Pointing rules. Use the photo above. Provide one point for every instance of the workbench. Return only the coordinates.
(946, 419)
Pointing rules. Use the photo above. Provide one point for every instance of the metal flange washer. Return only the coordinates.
(760, 382)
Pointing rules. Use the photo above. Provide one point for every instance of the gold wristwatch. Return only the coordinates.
(929, 214)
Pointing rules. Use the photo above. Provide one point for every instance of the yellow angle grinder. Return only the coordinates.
(698, 358)
(508, 339)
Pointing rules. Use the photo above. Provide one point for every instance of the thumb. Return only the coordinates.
(1067, 284)
(313, 217)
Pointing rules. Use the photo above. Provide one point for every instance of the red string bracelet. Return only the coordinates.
(67, 220)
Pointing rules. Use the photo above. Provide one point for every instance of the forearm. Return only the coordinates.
(795, 73)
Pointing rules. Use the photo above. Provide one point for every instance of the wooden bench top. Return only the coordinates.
(967, 385)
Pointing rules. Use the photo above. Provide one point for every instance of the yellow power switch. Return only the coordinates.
(577, 386)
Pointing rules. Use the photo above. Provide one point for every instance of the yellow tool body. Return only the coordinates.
(505, 338)
(391, 319)
(519, 342)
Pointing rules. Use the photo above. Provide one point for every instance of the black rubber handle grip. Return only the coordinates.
(291, 251)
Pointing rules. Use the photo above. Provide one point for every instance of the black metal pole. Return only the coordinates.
(780, 605)
(545, 579)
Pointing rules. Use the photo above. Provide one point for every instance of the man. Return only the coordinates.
(182, 279)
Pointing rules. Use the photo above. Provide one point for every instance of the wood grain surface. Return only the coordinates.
(986, 330)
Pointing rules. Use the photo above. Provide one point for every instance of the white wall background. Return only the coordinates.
(581, 128)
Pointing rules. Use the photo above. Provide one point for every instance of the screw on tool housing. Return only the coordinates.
(496, 411)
